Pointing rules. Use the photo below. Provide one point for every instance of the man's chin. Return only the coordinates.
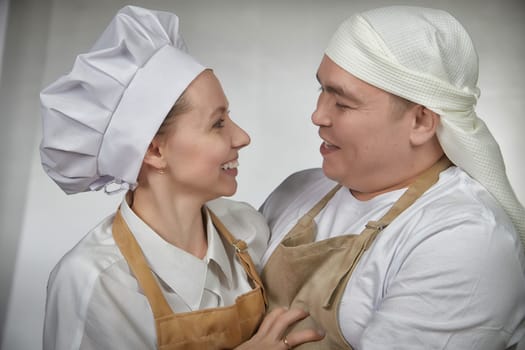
(330, 173)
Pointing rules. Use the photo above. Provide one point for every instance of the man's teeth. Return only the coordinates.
(328, 145)
(230, 165)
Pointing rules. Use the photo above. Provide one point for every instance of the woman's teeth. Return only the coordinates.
(230, 165)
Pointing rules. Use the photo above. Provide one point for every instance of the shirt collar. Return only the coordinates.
(182, 272)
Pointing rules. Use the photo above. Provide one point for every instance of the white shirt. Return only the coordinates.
(448, 273)
(94, 302)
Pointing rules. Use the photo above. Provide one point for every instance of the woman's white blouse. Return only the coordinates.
(94, 301)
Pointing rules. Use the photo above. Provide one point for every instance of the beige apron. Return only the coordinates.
(216, 328)
(313, 275)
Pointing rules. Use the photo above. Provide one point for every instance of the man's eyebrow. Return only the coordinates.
(337, 90)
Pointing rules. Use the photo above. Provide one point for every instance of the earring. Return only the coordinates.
(161, 171)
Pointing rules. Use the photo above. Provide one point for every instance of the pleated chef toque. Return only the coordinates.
(99, 119)
(426, 56)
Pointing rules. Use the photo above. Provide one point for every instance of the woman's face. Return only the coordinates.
(201, 146)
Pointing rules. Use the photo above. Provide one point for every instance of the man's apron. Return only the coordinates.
(215, 328)
(313, 275)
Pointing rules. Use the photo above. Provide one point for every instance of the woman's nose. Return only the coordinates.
(240, 138)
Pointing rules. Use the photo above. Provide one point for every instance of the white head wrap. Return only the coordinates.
(426, 56)
(99, 119)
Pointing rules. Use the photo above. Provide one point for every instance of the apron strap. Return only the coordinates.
(312, 213)
(422, 183)
(130, 248)
(241, 252)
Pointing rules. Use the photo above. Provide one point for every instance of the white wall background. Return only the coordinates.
(265, 53)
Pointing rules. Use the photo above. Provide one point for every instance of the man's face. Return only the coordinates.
(366, 143)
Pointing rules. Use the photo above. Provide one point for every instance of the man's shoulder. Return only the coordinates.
(305, 177)
(458, 194)
(456, 209)
(296, 190)
(301, 182)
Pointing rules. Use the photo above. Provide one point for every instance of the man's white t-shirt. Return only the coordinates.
(448, 273)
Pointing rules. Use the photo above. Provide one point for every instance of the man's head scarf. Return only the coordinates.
(427, 57)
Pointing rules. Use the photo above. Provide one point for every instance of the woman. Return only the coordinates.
(170, 269)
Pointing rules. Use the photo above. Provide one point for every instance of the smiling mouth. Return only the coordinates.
(329, 145)
(230, 165)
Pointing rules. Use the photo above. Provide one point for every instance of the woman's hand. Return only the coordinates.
(271, 333)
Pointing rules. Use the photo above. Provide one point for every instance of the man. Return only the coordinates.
(409, 236)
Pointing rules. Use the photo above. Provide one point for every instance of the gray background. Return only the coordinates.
(265, 53)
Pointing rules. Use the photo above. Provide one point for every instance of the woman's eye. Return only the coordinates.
(219, 123)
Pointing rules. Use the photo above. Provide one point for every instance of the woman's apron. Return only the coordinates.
(215, 328)
(313, 275)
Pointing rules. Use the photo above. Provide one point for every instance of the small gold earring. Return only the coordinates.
(161, 171)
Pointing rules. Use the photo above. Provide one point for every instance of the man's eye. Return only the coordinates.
(341, 106)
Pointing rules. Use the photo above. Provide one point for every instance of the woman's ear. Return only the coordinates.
(154, 155)
(424, 125)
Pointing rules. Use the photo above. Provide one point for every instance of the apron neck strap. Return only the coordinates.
(422, 183)
(130, 248)
(312, 213)
(241, 252)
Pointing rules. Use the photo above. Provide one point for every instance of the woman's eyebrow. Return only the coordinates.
(218, 110)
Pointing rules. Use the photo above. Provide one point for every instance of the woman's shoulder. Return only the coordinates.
(87, 260)
(87, 279)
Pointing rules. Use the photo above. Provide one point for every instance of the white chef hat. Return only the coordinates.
(426, 56)
(99, 119)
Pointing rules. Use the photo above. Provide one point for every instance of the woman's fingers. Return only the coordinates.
(304, 336)
(271, 333)
(286, 319)
(278, 320)
(270, 319)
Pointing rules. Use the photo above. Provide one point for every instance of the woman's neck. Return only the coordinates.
(177, 219)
